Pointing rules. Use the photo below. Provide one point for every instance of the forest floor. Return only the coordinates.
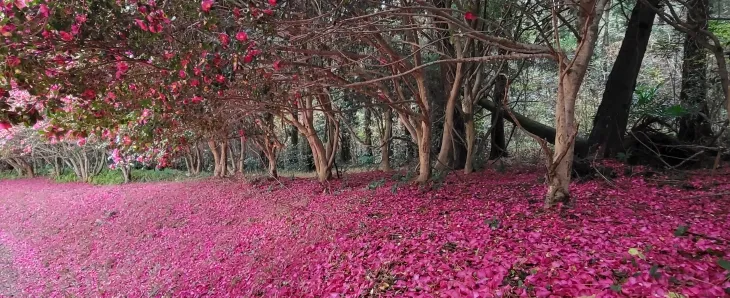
(481, 235)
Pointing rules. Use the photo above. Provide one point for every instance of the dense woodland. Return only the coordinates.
(229, 87)
(449, 148)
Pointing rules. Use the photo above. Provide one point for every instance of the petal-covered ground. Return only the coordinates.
(482, 235)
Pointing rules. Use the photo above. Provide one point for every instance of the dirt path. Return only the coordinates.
(8, 274)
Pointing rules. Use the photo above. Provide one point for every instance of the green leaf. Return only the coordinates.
(653, 272)
(674, 111)
(636, 253)
(681, 230)
(616, 288)
(725, 264)
(675, 295)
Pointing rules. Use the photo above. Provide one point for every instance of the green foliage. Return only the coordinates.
(647, 103)
(721, 30)
(681, 230)
(366, 160)
(373, 185)
(725, 264)
(113, 177)
(157, 175)
(8, 175)
(108, 177)
(616, 288)
(66, 177)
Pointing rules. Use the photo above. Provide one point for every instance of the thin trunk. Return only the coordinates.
(695, 125)
(571, 75)
(223, 158)
(216, 158)
(234, 164)
(497, 139)
(424, 151)
(271, 158)
(385, 140)
(189, 163)
(198, 160)
(447, 137)
(126, 173)
(345, 154)
(294, 136)
(609, 124)
(471, 133)
(242, 157)
(368, 142)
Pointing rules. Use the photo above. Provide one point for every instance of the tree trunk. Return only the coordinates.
(189, 163)
(368, 142)
(497, 139)
(424, 151)
(609, 124)
(223, 158)
(271, 157)
(198, 160)
(22, 167)
(319, 158)
(216, 158)
(538, 129)
(570, 78)
(242, 157)
(695, 125)
(385, 140)
(345, 153)
(126, 173)
(447, 136)
(470, 132)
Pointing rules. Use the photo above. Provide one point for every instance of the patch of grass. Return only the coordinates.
(66, 177)
(108, 177)
(157, 175)
(113, 177)
(8, 175)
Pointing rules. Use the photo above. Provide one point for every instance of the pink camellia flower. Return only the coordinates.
(206, 5)
(44, 11)
(272, 2)
(5, 125)
(182, 74)
(469, 16)
(225, 40)
(7, 30)
(241, 36)
(81, 142)
(12, 61)
(141, 24)
(65, 36)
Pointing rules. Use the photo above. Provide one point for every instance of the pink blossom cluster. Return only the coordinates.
(482, 235)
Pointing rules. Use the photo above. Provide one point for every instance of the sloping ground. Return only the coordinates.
(482, 235)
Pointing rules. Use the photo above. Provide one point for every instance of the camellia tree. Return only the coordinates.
(103, 63)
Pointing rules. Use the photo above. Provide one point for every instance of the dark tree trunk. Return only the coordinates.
(458, 150)
(498, 148)
(694, 126)
(308, 157)
(609, 124)
(368, 142)
(534, 127)
(345, 154)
